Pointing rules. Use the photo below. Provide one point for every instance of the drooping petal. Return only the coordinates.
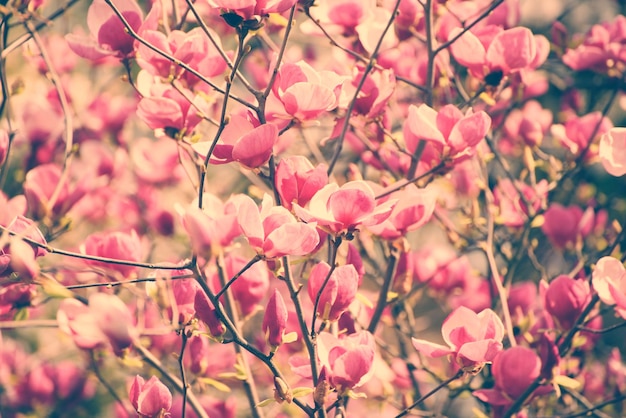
(431, 349)
(254, 148)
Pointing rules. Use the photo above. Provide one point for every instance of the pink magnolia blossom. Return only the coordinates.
(306, 93)
(247, 9)
(193, 48)
(150, 399)
(513, 211)
(40, 189)
(413, 209)
(105, 319)
(275, 320)
(530, 123)
(184, 293)
(11, 208)
(602, 48)
(242, 141)
(339, 292)
(108, 34)
(566, 298)
(375, 92)
(508, 51)
(451, 133)
(205, 311)
(344, 209)
(348, 362)
(563, 225)
(609, 281)
(272, 230)
(118, 245)
(297, 180)
(156, 162)
(514, 370)
(613, 151)
(577, 132)
(472, 339)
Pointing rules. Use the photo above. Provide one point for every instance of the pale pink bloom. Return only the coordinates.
(119, 245)
(184, 292)
(371, 29)
(576, 133)
(40, 189)
(613, 151)
(272, 230)
(451, 133)
(602, 49)
(105, 319)
(306, 93)
(348, 362)
(564, 225)
(566, 298)
(167, 109)
(413, 209)
(193, 48)
(22, 259)
(297, 180)
(151, 398)
(472, 339)
(513, 211)
(375, 92)
(609, 281)
(514, 370)
(108, 34)
(508, 51)
(250, 8)
(530, 123)
(242, 141)
(339, 292)
(275, 320)
(344, 209)
(27, 228)
(156, 161)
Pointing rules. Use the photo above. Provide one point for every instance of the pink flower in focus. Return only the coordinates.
(612, 151)
(275, 320)
(339, 292)
(508, 51)
(566, 298)
(343, 209)
(272, 230)
(119, 245)
(609, 281)
(150, 399)
(514, 370)
(347, 361)
(242, 141)
(306, 93)
(205, 311)
(108, 34)
(472, 339)
(451, 133)
(297, 180)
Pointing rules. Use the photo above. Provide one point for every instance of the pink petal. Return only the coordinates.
(469, 131)
(250, 222)
(512, 49)
(307, 101)
(291, 239)
(255, 148)
(431, 349)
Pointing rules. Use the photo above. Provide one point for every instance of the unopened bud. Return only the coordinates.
(282, 392)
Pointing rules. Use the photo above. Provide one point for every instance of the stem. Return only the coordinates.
(384, 290)
(181, 367)
(333, 257)
(432, 392)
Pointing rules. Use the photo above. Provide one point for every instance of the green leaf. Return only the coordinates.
(222, 387)
(302, 391)
(265, 403)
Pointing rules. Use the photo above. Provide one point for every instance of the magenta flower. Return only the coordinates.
(275, 320)
(609, 281)
(508, 51)
(566, 298)
(297, 180)
(514, 370)
(472, 339)
(565, 225)
(272, 230)
(205, 311)
(150, 399)
(451, 133)
(339, 292)
(576, 133)
(40, 190)
(108, 34)
(612, 151)
(117, 245)
(343, 209)
(306, 93)
(348, 362)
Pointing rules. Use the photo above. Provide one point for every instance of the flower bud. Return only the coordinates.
(275, 320)
(566, 298)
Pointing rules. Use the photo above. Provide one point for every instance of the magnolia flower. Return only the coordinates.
(275, 320)
(566, 298)
(613, 151)
(339, 292)
(151, 398)
(347, 361)
(297, 180)
(609, 281)
(472, 339)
